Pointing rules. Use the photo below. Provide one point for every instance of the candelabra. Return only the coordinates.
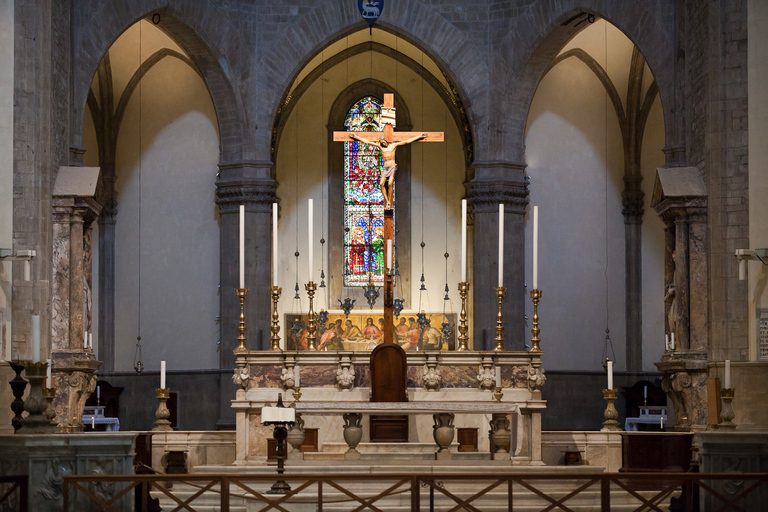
(242, 293)
(18, 385)
(498, 394)
(35, 404)
(162, 414)
(500, 293)
(535, 297)
(726, 409)
(610, 414)
(49, 394)
(463, 338)
(311, 287)
(276, 290)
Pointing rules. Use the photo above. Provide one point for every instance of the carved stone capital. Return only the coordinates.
(74, 381)
(248, 183)
(498, 182)
(684, 380)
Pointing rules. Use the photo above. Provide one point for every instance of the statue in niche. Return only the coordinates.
(670, 298)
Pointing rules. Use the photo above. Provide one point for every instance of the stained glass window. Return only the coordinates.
(363, 200)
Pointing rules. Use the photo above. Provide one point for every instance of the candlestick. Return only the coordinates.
(162, 374)
(463, 240)
(501, 245)
(18, 385)
(35, 338)
(242, 246)
(311, 287)
(497, 394)
(610, 374)
(275, 272)
(463, 338)
(35, 404)
(535, 297)
(610, 414)
(162, 424)
(535, 247)
(726, 409)
(310, 237)
(275, 339)
(500, 293)
(727, 374)
(49, 394)
(242, 293)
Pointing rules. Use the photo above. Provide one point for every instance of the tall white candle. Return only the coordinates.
(35, 338)
(463, 240)
(274, 244)
(672, 343)
(501, 245)
(498, 376)
(93, 422)
(666, 342)
(242, 246)
(162, 374)
(85, 339)
(296, 376)
(90, 340)
(309, 240)
(389, 254)
(48, 377)
(535, 247)
(610, 374)
(727, 374)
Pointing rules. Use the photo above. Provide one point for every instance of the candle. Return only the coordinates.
(296, 376)
(242, 246)
(85, 339)
(90, 340)
(309, 225)
(498, 376)
(389, 254)
(463, 240)
(610, 374)
(661, 422)
(48, 377)
(98, 393)
(666, 342)
(727, 374)
(93, 422)
(162, 374)
(645, 391)
(672, 343)
(535, 247)
(274, 244)
(501, 245)
(35, 338)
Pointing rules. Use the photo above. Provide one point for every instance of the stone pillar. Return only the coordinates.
(106, 334)
(632, 202)
(248, 183)
(74, 210)
(493, 183)
(680, 199)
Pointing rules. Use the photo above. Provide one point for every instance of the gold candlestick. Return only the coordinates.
(162, 414)
(242, 293)
(500, 293)
(726, 409)
(535, 296)
(276, 290)
(311, 287)
(610, 414)
(463, 338)
(498, 394)
(49, 394)
(296, 393)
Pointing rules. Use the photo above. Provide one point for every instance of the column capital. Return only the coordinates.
(245, 182)
(498, 182)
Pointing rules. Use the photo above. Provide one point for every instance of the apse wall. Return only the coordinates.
(302, 174)
(166, 173)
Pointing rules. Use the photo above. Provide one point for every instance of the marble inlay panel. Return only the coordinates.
(363, 377)
(265, 376)
(257, 437)
(458, 376)
(60, 296)
(318, 376)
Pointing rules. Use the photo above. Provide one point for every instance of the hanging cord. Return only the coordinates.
(608, 353)
(322, 185)
(296, 253)
(138, 364)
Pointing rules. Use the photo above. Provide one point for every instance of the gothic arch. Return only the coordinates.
(94, 40)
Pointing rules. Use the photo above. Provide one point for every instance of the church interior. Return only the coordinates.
(574, 249)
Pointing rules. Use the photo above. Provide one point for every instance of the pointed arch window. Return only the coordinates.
(363, 199)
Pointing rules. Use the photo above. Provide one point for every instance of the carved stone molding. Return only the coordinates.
(248, 183)
(684, 380)
(345, 375)
(74, 381)
(242, 377)
(498, 182)
(536, 378)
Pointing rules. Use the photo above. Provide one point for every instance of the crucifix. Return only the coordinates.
(388, 141)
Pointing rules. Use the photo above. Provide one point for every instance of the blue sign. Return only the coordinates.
(370, 9)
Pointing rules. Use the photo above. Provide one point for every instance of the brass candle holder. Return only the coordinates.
(162, 424)
(535, 297)
(275, 338)
(726, 409)
(35, 404)
(611, 414)
(296, 393)
(242, 293)
(498, 394)
(463, 338)
(49, 394)
(500, 293)
(311, 337)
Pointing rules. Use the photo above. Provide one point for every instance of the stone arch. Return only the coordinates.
(192, 29)
(548, 28)
(461, 62)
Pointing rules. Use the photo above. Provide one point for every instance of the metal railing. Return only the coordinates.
(13, 493)
(637, 492)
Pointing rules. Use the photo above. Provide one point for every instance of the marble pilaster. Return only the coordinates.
(493, 183)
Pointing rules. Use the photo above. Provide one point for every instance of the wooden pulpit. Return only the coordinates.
(389, 383)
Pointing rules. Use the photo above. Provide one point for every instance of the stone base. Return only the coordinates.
(47, 458)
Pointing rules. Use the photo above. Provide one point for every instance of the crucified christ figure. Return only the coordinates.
(387, 179)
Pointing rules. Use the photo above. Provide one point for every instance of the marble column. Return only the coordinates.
(73, 364)
(252, 184)
(632, 202)
(493, 183)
